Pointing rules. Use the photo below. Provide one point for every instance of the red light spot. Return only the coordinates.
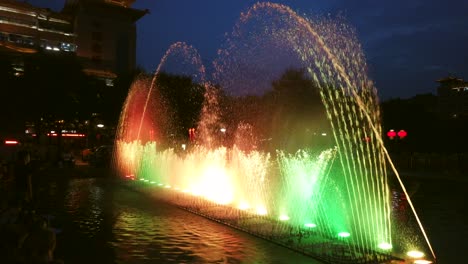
(391, 134)
(402, 133)
(11, 142)
(192, 134)
(73, 135)
(66, 135)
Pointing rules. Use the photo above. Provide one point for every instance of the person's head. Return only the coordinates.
(24, 157)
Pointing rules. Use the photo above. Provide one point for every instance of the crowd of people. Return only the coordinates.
(25, 235)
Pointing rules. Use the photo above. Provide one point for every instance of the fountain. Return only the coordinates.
(331, 201)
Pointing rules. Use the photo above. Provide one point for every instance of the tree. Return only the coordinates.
(184, 99)
(298, 114)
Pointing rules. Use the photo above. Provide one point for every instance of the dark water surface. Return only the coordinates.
(442, 205)
(102, 221)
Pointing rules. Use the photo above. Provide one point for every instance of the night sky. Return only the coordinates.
(408, 43)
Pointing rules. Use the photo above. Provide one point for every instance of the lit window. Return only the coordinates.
(109, 82)
(68, 47)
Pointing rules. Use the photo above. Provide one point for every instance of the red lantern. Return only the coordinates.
(391, 134)
(402, 133)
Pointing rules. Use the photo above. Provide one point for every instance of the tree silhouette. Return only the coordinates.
(298, 115)
(184, 99)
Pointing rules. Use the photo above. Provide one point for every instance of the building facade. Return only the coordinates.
(106, 35)
(452, 97)
(26, 30)
(101, 33)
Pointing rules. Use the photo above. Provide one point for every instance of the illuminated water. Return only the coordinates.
(332, 202)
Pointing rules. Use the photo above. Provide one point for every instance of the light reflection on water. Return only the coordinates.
(84, 200)
(112, 224)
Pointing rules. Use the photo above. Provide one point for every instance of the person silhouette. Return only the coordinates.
(22, 172)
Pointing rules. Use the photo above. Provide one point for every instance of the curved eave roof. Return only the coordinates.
(134, 14)
(450, 79)
(14, 48)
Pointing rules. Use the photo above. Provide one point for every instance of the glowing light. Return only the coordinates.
(310, 225)
(223, 130)
(344, 234)
(415, 254)
(100, 125)
(284, 218)
(160, 184)
(215, 185)
(324, 134)
(244, 206)
(167, 186)
(422, 261)
(402, 133)
(262, 211)
(11, 142)
(184, 146)
(391, 134)
(192, 134)
(73, 135)
(385, 246)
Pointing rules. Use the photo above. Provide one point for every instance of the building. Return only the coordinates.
(26, 30)
(106, 35)
(452, 97)
(101, 33)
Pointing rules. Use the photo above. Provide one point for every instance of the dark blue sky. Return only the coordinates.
(408, 43)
